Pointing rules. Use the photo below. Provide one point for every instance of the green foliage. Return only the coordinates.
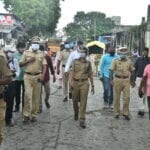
(88, 25)
(40, 16)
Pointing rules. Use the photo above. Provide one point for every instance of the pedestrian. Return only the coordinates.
(62, 60)
(5, 78)
(21, 47)
(121, 76)
(46, 81)
(139, 65)
(145, 86)
(73, 55)
(10, 91)
(81, 75)
(105, 64)
(34, 64)
(59, 77)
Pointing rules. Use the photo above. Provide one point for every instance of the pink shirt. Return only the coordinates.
(147, 74)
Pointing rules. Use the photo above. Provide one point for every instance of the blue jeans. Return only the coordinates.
(108, 91)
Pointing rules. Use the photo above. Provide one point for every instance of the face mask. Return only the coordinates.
(10, 55)
(82, 55)
(122, 56)
(112, 53)
(35, 47)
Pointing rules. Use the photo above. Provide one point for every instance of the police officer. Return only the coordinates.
(123, 71)
(62, 58)
(81, 74)
(34, 64)
(5, 78)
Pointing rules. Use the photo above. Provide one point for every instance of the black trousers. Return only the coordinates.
(9, 97)
(148, 103)
(19, 96)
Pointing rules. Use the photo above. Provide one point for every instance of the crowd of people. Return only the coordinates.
(25, 71)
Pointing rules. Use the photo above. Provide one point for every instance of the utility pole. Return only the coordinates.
(147, 34)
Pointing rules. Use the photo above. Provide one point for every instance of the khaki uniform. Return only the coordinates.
(4, 71)
(80, 86)
(122, 70)
(32, 86)
(63, 57)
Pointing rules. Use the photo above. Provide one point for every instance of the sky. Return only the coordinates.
(2, 10)
(131, 11)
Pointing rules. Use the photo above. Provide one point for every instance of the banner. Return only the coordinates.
(6, 20)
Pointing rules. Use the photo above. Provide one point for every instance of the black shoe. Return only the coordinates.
(82, 125)
(26, 120)
(70, 95)
(47, 105)
(126, 117)
(65, 99)
(9, 124)
(141, 113)
(40, 111)
(117, 116)
(76, 117)
(33, 119)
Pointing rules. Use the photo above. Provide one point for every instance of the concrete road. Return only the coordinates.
(56, 129)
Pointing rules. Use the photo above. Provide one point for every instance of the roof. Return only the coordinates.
(97, 43)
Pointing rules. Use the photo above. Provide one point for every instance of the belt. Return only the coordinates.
(79, 80)
(121, 77)
(1, 95)
(32, 74)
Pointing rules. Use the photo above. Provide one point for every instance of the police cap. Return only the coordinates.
(123, 50)
(35, 39)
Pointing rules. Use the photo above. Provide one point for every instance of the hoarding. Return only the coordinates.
(6, 19)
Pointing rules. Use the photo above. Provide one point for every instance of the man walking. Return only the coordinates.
(19, 79)
(62, 59)
(5, 78)
(140, 64)
(34, 64)
(105, 65)
(122, 70)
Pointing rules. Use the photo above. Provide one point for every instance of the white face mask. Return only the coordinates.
(10, 55)
(82, 55)
(35, 47)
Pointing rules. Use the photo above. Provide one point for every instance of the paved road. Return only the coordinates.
(56, 129)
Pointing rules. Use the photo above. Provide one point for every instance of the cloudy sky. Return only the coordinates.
(131, 11)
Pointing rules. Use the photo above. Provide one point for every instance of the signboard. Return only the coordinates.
(6, 19)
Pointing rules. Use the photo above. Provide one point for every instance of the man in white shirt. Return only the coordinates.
(73, 55)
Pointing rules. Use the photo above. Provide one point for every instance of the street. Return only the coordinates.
(57, 130)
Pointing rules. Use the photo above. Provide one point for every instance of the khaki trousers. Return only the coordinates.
(32, 95)
(121, 85)
(2, 118)
(80, 93)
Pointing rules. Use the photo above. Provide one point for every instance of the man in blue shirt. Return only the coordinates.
(105, 64)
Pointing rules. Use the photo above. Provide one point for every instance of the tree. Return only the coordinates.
(88, 25)
(40, 16)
